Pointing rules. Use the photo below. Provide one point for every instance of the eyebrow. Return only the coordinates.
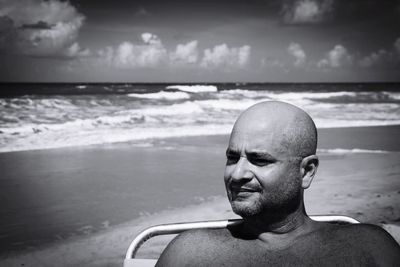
(230, 151)
(261, 154)
(252, 154)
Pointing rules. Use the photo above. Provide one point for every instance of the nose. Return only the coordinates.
(241, 171)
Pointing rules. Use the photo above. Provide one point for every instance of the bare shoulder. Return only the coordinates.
(373, 240)
(371, 232)
(192, 246)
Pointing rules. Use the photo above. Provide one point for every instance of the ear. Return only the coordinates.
(308, 169)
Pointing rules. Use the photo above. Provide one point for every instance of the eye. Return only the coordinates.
(232, 159)
(259, 161)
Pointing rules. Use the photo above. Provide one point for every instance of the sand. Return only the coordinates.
(365, 186)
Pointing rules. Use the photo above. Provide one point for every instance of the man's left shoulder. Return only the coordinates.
(374, 240)
(363, 231)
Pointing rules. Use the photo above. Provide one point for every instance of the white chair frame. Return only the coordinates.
(176, 228)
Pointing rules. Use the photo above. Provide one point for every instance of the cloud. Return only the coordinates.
(383, 57)
(378, 58)
(337, 57)
(151, 53)
(221, 56)
(128, 55)
(306, 11)
(40, 28)
(76, 51)
(185, 54)
(151, 39)
(40, 25)
(297, 51)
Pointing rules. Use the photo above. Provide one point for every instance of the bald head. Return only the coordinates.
(290, 128)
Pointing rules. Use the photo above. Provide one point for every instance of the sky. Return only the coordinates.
(199, 41)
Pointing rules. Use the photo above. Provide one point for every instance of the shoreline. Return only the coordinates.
(151, 142)
(361, 185)
(108, 248)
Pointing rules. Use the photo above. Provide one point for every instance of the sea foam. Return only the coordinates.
(193, 88)
(353, 151)
(37, 122)
(162, 95)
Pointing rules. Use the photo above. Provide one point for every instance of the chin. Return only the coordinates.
(245, 208)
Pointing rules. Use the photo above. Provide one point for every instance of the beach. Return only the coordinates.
(116, 116)
(82, 206)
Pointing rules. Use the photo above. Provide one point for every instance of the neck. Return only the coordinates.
(276, 223)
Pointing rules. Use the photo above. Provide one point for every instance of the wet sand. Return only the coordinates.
(178, 180)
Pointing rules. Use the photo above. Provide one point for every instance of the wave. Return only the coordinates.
(323, 124)
(65, 115)
(162, 95)
(290, 95)
(63, 111)
(307, 96)
(58, 139)
(42, 122)
(193, 88)
(393, 95)
(353, 151)
(225, 104)
(241, 93)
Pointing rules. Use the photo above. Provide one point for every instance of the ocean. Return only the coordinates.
(77, 159)
(44, 116)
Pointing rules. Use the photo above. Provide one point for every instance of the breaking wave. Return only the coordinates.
(353, 151)
(162, 95)
(36, 122)
(193, 88)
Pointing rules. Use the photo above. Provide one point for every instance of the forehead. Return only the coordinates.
(257, 137)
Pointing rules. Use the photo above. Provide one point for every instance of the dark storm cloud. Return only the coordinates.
(289, 12)
(40, 25)
(39, 28)
(339, 12)
(366, 31)
(204, 37)
(307, 11)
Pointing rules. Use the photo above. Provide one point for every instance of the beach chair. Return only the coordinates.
(176, 228)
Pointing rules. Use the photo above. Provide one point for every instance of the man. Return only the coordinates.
(270, 161)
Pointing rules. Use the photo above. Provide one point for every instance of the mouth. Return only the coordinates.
(246, 190)
(238, 188)
(243, 191)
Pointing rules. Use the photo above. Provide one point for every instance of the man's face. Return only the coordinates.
(260, 175)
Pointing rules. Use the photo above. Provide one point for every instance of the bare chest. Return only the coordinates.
(304, 253)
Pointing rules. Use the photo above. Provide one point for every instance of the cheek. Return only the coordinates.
(274, 177)
(228, 171)
(267, 177)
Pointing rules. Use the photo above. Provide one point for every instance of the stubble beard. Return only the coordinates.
(274, 204)
(246, 208)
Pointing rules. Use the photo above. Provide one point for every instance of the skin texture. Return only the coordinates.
(270, 161)
(263, 159)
